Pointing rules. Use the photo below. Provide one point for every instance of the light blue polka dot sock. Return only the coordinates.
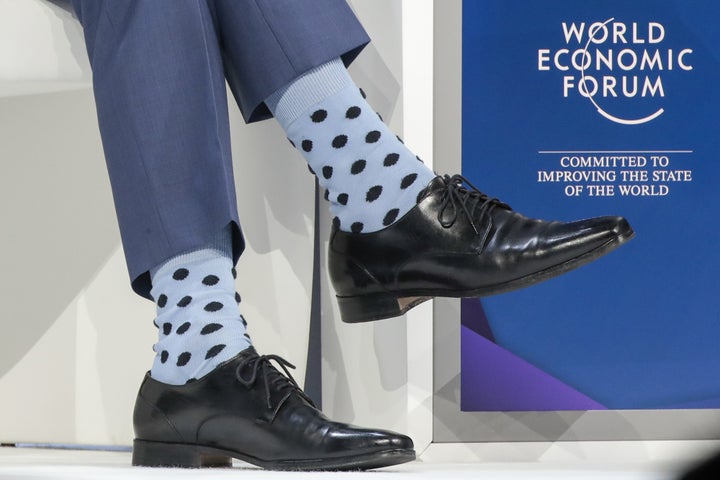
(198, 319)
(371, 178)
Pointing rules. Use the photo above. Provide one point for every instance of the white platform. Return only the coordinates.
(32, 463)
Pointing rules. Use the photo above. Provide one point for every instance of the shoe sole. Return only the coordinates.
(368, 308)
(182, 455)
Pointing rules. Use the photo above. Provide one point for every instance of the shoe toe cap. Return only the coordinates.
(599, 230)
(396, 441)
(372, 440)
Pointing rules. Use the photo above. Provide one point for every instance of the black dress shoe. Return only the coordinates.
(458, 242)
(247, 409)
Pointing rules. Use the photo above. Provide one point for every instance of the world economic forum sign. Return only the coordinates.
(612, 59)
(575, 109)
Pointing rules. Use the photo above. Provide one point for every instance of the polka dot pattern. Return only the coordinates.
(408, 180)
(183, 359)
(340, 141)
(185, 301)
(210, 328)
(183, 328)
(319, 116)
(390, 216)
(213, 307)
(214, 351)
(374, 193)
(368, 175)
(181, 274)
(391, 159)
(373, 136)
(358, 166)
(197, 328)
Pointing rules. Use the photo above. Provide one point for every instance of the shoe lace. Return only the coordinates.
(458, 198)
(260, 366)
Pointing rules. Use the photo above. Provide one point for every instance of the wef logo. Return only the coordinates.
(619, 67)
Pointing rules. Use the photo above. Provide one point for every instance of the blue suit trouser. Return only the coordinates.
(159, 71)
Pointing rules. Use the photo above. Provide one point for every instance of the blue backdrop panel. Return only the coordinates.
(575, 109)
